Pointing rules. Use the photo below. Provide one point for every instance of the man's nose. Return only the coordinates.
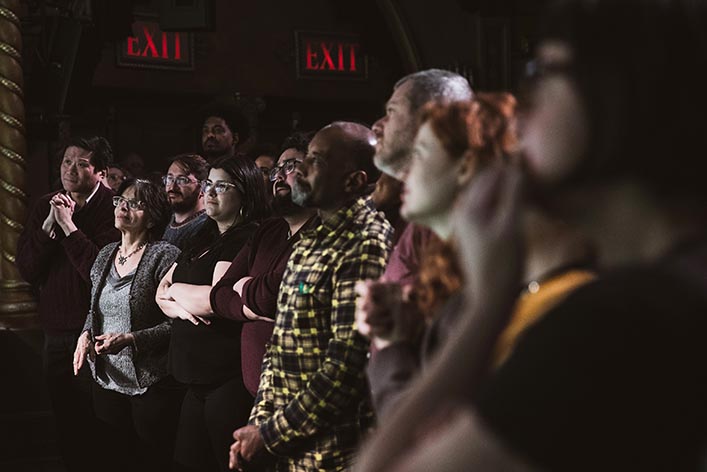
(378, 126)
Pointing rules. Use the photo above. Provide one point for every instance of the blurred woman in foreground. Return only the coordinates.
(613, 378)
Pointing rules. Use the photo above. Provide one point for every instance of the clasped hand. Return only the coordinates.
(107, 343)
(386, 314)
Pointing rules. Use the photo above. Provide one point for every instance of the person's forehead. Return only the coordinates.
(325, 140)
(219, 174)
(129, 192)
(75, 152)
(177, 169)
(401, 95)
(215, 121)
(290, 153)
(264, 157)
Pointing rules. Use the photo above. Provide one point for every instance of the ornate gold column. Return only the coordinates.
(17, 306)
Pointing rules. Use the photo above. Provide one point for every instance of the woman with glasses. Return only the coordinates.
(205, 350)
(126, 335)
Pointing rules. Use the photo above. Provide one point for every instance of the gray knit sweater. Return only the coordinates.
(150, 327)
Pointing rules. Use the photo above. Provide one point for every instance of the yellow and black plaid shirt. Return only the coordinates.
(313, 395)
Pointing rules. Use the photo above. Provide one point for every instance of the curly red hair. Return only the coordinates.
(482, 129)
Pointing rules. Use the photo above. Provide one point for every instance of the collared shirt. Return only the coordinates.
(313, 395)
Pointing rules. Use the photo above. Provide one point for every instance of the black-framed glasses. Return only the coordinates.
(132, 204)
(219, 186)
(180, 180)
(286, 167)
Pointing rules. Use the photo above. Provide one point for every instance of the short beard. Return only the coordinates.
(394, 164)
(300, 195)
(186, 205)
(284, 206)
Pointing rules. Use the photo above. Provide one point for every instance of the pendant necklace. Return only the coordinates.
(123, 259)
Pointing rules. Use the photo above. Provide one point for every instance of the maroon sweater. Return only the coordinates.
(264, 258)
(60, 268)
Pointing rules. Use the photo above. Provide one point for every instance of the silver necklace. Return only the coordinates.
(123, 259)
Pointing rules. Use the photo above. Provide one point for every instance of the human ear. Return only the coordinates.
(467, 168)
(355, 181)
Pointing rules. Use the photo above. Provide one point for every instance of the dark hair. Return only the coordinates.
(192, 164)
(100, 149)
(234, 118)
(157, 207)
(435, 85)
(641, 69)
(249, 180)
(299, 141)
(254, 204)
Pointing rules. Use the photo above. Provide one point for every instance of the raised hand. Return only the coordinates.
(63, 207)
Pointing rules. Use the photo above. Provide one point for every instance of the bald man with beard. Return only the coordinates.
(312, 405)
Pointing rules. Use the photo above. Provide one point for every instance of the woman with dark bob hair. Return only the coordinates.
(205, 350)
(612, 378)
(126, 335)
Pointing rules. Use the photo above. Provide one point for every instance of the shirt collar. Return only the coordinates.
(342, 217)
(98, 185)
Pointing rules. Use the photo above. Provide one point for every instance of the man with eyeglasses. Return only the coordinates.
(55, 252)
(183, 186)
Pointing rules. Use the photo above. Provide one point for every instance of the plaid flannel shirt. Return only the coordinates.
(313, 395)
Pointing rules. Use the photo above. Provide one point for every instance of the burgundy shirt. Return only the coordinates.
(404, 262)
(60, 268)
(264, 258)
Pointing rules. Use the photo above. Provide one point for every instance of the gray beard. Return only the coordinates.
(394, 164)
(299, 195)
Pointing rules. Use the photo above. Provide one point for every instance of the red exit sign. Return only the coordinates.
(150, 47)
(330, 56)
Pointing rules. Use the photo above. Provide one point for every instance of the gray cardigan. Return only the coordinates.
(150, 327)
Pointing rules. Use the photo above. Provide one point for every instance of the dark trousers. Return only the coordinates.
(138, 431)
(210, 415)
(71, 401)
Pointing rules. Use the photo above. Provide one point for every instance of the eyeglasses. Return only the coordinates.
(181, 180)
(219, 186)
(132, 204)
(287, 167)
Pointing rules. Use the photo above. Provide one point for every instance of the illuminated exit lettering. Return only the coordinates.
(331, 56)
(157, 45)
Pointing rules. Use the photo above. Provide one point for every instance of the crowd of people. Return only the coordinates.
(478, 281)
